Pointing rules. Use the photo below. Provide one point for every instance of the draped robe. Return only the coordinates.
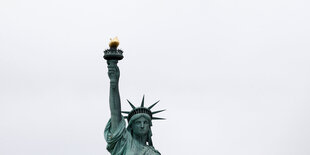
(120, 142)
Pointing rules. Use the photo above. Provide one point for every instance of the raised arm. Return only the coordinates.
(114, 98)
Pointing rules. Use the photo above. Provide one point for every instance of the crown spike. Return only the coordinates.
(132, 106)
(158, 118)
(155, 112)
(126, 112)
(142, 103)
(150, 107)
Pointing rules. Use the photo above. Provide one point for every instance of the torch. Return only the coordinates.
(113, 53)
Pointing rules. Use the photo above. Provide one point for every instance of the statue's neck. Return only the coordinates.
(140, 139)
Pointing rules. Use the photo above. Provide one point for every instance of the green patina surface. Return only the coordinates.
(136, 138)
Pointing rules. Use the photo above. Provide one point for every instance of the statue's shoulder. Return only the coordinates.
(158, 153)
(153, 151)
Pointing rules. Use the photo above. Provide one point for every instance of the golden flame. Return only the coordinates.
(114, 42)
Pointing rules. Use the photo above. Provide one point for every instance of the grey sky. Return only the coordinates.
(233, 75)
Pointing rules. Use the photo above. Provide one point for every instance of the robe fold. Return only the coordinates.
(121, 142)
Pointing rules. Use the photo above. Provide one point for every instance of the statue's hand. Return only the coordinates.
(113, 71)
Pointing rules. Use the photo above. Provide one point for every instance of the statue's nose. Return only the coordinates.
(142, 125)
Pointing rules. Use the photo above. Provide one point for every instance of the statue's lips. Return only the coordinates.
(142, 130)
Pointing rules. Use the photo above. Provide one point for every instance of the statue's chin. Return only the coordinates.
(140, 134)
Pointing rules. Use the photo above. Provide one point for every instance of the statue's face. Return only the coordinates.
(141, 126)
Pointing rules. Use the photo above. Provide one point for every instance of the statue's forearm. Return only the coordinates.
(115, 105)
(114, 98)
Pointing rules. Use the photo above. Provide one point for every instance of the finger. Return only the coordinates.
(112, 70)
(111, 66)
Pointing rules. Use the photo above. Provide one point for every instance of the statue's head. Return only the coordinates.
(140, 124)
(140, 120)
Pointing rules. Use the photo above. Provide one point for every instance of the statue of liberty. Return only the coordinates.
(136, 139)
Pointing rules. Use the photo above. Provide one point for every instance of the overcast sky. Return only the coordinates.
(232, 74)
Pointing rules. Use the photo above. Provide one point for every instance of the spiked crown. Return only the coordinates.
(143, 110)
